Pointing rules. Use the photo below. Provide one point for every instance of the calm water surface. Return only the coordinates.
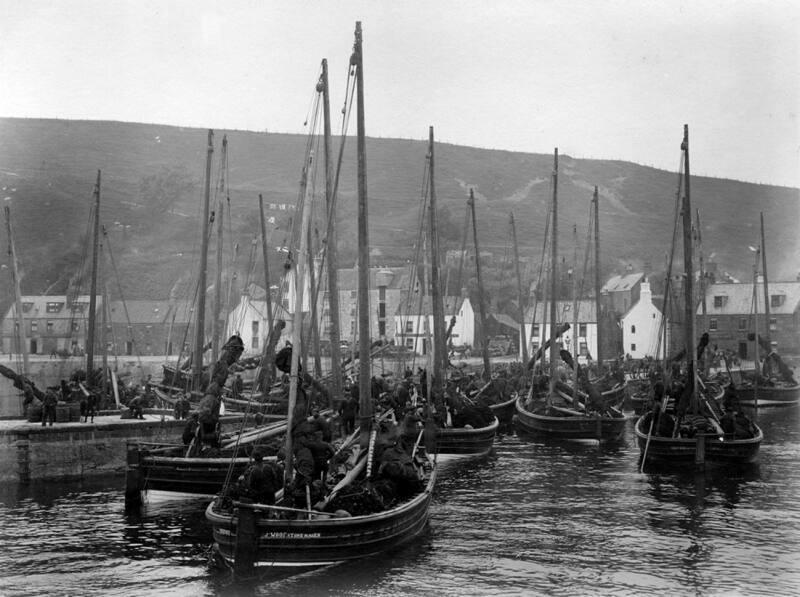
(535, 518)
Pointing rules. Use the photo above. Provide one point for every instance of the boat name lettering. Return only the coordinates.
(285, 535)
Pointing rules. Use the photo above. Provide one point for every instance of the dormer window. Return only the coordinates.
(776, 300)
(54, 307)
(719, 301)
(27, 307)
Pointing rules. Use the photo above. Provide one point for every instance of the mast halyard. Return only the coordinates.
(267, 362)
(487, 368)
(520, 297)
(297, 324)
(766, 283)
(21, 335)
(364, 384)
(220, 218)
(553, 279)
(439, 353)
(689, 304)
(597, 286)
(333, 263)
(197, 359)
(93, 291)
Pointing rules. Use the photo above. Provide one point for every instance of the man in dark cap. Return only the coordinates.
(262, 479)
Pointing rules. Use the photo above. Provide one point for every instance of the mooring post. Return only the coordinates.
(133, 478)
(245, 555)
(700, 450)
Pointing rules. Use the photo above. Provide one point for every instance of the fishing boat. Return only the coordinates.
(701, 432)
(249, 535)
(774, 386)
(548, 409)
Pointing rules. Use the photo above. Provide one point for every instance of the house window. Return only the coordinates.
(633, 329)
(633, 348)
(381, 328)
(381, 293)
(410, 343)
(352, 327)
(582, 330)
(353, 294)
(535, 331)
(34, 326)
(584, 349)
(534, 345)
(254, 342)
(773, 323)
(776, 300)
(76, 326)
(382, 310)
(27, 307)
(712, 325)
(54, 307)
(409, 327)
(742, 323)
(719, 302)
(50, 327)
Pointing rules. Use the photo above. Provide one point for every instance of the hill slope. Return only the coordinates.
(152, 190)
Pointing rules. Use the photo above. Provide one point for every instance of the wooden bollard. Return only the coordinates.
(245, 551)
(700, 450)
(134, 484)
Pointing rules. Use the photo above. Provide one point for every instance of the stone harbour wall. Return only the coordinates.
(30, 452)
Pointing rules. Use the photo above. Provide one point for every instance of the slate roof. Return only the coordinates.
(739, 298)
(586, 312)
(35, 306)
(452, 304)
(620, 283)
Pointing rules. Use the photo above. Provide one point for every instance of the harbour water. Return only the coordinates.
(534, 518)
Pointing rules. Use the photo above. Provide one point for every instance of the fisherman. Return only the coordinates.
(261, 479)
(49, 407)
(321, 452)
(349, 411)
(397, 466)
(237, 386)
(91, 406)
(321, 424)
(135, 407)
(300, 489)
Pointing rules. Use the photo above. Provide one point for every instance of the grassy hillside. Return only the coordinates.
(48, 168)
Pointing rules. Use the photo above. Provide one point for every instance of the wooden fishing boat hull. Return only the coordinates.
(320, 541)
(504, 411)
(598, 427)
(769, 396)
(461, 442)
(682, 450)
(202, 476)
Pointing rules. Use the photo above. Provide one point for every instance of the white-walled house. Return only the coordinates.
(640, 327)
(249, 320)
(538, 332)
(414, 324)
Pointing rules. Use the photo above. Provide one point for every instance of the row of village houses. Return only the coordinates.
(55, 325)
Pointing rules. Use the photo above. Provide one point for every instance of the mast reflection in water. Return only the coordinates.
(534, 518)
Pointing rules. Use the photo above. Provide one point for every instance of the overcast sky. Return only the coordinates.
(612, 79)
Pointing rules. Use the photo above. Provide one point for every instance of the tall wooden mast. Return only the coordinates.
(766, 283)
(597, 285)
(23, 339)
(487, 368)
(688, 265)
(220, 219)
(520, 296)
(553, 277)
(93, 291)
(364, 385)
(267, 364)
(439, 353)
(333, 262)
(199, 337)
